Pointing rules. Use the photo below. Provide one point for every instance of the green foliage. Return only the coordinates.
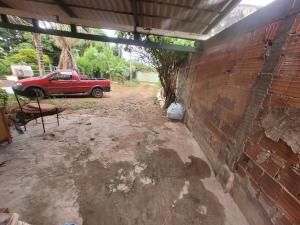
(50, 49)
(166, 62)
(100, 60)
(27, 56)
(11, 102)
(4, 67)
(20, 46)
(143, 67)
(10, 39)
(3, 97)
(3, 53)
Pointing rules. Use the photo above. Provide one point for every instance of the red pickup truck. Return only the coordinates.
(62, 82)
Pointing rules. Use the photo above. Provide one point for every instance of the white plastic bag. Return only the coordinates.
(175, 111)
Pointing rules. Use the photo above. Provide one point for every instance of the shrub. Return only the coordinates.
(4, 67)
(3, 97)
(101, 60)
(20, 46)
(27, 56)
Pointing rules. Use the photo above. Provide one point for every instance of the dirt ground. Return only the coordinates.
(120, 162)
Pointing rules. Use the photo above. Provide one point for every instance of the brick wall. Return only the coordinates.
(242, 98)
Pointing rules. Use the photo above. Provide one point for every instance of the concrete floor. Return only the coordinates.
(122, 163)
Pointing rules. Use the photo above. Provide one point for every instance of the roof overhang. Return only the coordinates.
(188, 19)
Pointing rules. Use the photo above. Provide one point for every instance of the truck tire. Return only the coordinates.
(97, 93)
(38, 91)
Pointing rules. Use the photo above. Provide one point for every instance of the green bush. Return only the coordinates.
(100, 60)
(20, 46)
(3, 97)
(4, 67)
(27, 56)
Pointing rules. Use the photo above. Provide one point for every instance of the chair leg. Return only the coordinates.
(57, 117)
(41, 114)
(23, 114)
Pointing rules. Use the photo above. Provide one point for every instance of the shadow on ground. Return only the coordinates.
(148, 192)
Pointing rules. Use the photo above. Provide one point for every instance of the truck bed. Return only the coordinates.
(93, 79)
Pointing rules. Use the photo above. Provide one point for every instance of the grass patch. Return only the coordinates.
(132, 83)
(66, 103)
(73, 103)
(10, 101)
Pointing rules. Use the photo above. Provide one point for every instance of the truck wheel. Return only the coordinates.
(97, 93)
(37, 91)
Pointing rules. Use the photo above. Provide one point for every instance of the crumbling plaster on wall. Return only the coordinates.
(284, 125)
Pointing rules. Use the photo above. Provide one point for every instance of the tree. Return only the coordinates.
(10, 39)
(39, 52)
(99, 60)
(66, 59)
(166, 62)
(27, 56)
(50, 49)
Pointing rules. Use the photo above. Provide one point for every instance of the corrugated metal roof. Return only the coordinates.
(179, 18)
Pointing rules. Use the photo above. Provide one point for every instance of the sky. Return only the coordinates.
(257, 2)
(110, 33)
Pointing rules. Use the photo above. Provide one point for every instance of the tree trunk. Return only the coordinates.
(168, 79)
(66, 59)
(39, 51)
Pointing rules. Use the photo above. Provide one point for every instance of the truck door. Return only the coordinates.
(63, 82)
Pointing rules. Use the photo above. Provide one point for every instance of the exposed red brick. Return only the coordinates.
(271, 167)
(290, 206)
(268, 204)
(290, 180)
(254, 171)
(252, 151)
(281, 220)
(280, 148)
(270, 187)
(279, 101)
(241, 170)
(223, 81)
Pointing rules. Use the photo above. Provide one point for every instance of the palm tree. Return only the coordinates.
(39, 51)
(66, 59)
